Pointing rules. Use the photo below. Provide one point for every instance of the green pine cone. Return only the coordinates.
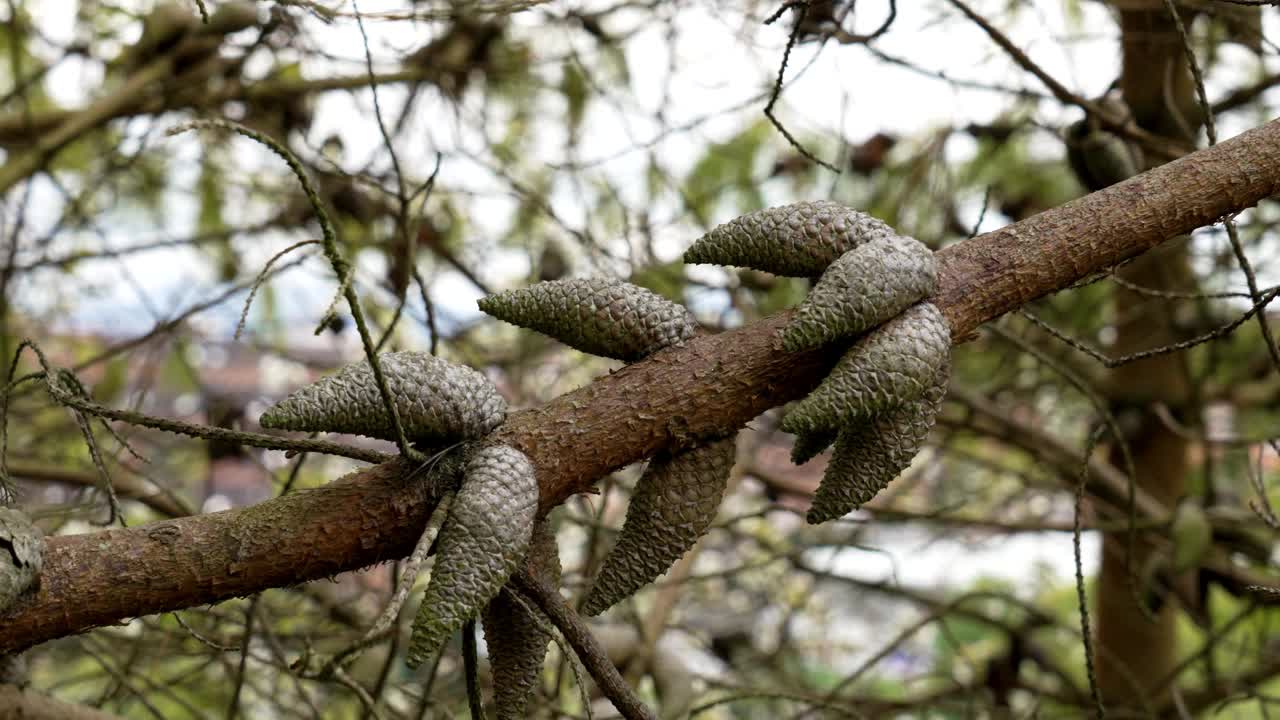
(483, 541)
(869, 456)
(517, 645)
(438, 401)
(674, 503)
(798, 240)
(891, 365)
(863, 288)
(23, 558)
(601, 316)
(810, 445)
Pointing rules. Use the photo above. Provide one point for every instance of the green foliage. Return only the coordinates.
(530, 216)
(115, 377)
(576, 91)
(510, 77)
(665, 279)
(15, 39)
(210, 190)
(728, 169)
(1022, 182)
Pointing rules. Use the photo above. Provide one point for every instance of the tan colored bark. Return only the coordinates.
(710, 386)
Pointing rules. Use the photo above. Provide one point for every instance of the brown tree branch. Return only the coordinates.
(585, 645)
(709, 387)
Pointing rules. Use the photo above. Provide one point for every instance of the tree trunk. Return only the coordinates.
(1138, 650)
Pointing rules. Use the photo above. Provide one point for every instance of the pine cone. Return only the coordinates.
(23, 558)
(798, 240)
(517, 644)
(891, 365)
(869, 456)
(862, 289)
(675, 501)
(601, 316)
(483, 541)
(438, 401)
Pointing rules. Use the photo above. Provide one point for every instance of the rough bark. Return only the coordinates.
(709, 386)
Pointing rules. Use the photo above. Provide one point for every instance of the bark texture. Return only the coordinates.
(707, 388)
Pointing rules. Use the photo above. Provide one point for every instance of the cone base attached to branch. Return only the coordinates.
(484, 539)
(21, 556)
(887, 367)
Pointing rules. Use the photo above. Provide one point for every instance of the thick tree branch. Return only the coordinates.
(710, 386)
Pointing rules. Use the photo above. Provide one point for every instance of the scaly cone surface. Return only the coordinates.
(483, 541)
(674, 503)
(869, 456)
(891, 365)
(862, 289)
(601, 316)
(517, 644)
(798, 240)
(21, 555)
(438, 401)
(810, 445)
